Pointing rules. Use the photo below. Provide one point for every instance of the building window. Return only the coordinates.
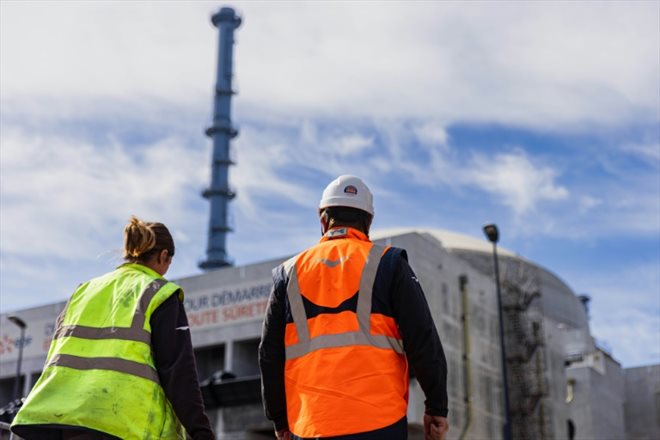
(209, 360)
(246, 358)
(571, 429)
(7, 389)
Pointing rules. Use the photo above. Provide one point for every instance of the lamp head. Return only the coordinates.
(18, 321)
(491, 232)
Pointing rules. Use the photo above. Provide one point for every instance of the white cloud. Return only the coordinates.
(308, 133)
(632, 335)
(450, 61)
(106, 51)
(628, 203)
(647, 151)
(620, 211)
(587, 203)
(353, 144)
(273, 161)
(465, 61)
(65, 200)
(53, 187)
(431, 132)
(262, 156)
(625, 310)
(515, 179)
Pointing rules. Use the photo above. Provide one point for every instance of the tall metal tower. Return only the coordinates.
(221, 131)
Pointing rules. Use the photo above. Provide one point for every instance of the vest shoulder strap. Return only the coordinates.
(135, 333)
(363, 336)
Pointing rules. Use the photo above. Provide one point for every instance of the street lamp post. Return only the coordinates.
(21, 324)
(493, 235)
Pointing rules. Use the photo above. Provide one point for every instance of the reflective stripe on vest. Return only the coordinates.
(100, 372)
(307, 345)
(135, 332)
(104, 363)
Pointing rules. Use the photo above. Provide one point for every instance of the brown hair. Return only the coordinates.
(142, 240)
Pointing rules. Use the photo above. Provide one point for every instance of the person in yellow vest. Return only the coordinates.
(121, 364)
(345, 321)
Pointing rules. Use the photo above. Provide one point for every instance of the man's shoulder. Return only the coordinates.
(395, 254)
(283, 270)
(288, 265)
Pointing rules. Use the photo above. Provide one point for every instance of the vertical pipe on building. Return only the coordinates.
(221, 132)
(467, 387)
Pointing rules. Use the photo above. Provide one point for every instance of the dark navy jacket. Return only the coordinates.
(397, 293)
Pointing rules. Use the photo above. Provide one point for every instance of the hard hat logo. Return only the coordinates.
(350, 189)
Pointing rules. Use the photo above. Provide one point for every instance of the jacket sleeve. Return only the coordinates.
(420, 337)
(271, 353)
(175, 363)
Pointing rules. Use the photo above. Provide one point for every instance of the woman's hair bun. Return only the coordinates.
(139, 238)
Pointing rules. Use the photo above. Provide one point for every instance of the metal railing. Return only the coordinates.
(5, 432)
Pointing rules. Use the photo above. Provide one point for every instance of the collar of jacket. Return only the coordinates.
(141, 268)
(344, 232)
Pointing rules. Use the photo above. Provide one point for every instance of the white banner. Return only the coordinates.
(227, 305)
(205, 309)
(36, 341)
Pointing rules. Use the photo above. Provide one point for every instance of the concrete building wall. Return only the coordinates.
(439, 272)
(38, 334)
(544, 370)
(558, 300)
(642, 402)
(556, 377)
(597, 407)
(560, 303)
(225, 309)
(580, 407)
(607, 402)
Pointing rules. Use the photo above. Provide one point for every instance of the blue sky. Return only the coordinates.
(542, 117)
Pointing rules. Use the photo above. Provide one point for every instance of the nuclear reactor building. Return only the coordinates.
(560, 383)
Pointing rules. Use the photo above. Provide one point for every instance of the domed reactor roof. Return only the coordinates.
(450, 240)
(559, 302)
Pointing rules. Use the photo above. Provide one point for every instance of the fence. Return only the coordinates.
(5, 433)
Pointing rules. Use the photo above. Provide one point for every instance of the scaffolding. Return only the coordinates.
(526, 363)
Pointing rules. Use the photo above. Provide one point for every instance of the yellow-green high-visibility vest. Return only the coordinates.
(100, 372)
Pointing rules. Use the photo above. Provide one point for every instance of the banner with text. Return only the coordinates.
(227, 305)
(35, 342)
(205, 309)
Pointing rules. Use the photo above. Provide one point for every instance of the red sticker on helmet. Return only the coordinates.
(350, 189)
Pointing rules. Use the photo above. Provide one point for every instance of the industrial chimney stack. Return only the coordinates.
(222, 131)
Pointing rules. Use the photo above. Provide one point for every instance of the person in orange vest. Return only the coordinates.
(345, 320)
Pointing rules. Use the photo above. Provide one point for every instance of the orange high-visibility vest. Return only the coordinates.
(345, 369)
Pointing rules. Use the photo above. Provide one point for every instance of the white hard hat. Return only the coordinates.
(348, 191)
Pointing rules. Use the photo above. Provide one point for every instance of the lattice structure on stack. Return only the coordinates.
(526, 363)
